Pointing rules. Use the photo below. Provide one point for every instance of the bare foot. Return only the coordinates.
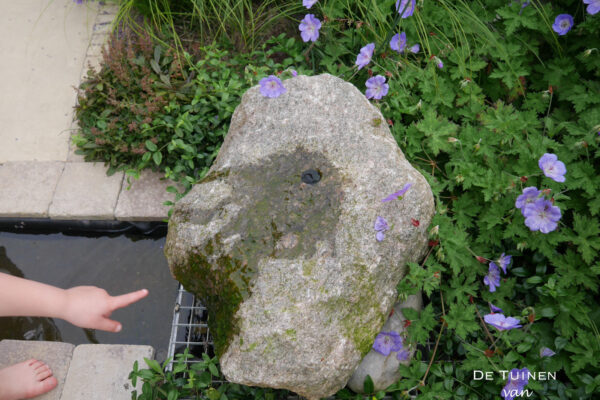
(26, 380)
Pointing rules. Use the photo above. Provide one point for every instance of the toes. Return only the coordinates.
(42, 387)
(40, 367)
(49, 384)
(43, 373)
(35, 364)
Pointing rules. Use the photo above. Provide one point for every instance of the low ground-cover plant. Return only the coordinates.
(497, 98)
(198, 380)
(148, 108)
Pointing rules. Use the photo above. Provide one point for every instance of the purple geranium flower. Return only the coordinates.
(398, 194)
(546, 352)
(530, 194)
(294, 72)
(541, 216)
(495, 309)
(364, 57)
(387, 342)
(376, 87)
(593, 6)
(504, 262)
(398, 42)
(380, 227)
(562, 24)
(271, 86)
(517, 380)
(415, 49)
(492, 279)
(500, 322)
(552, 168)
(309, 3)
(403, 355)
(309, 28)
(404, 8)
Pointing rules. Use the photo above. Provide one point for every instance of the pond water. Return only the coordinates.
(119, 264)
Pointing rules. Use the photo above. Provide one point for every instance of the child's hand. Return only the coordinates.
(91, 307)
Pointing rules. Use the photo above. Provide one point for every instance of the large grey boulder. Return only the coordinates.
(279, 241)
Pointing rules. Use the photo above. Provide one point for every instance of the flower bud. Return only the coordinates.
(452, 139)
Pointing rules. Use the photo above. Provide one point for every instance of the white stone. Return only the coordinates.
(383, 370)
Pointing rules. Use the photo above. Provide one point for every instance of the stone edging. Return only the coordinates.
(77, 190)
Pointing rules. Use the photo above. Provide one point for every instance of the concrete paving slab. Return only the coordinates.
(27, 187)
(144, 200)
(56, 355)
(43, 46)
(84, 191)
(100, 371)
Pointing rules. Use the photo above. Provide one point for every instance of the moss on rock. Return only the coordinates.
(281, 217)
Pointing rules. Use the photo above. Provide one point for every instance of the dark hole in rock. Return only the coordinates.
(311, 176)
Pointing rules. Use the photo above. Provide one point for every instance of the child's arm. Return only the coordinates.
(83, 306)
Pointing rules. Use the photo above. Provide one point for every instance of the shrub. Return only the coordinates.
(148, 108)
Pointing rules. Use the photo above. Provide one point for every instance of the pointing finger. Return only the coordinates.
(126, 299)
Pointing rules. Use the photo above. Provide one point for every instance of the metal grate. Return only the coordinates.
(189, 329)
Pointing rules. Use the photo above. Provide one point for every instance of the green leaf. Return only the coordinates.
(462, 319)
(204, 379)
(173, 395)
(157, 51)
(213, 369)
(213, 394)
(154, 365)
(155, 67)
(157, 157)
(534, 279)
(151, 146)
(410, 313)
(587, 236)
(368, 386)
